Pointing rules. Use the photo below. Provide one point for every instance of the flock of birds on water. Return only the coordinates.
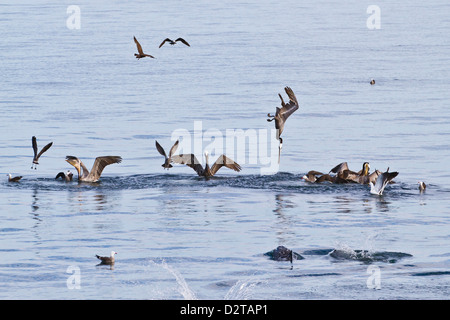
(339, 174)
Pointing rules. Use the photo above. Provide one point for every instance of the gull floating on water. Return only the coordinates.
(68, 176)
(97, 169)
(141, 53)
(13, 179)
(36, 154)
(173, 42)
(191, 161)
(381, 182)
(107, 260)
(168, 159)
(282, 114)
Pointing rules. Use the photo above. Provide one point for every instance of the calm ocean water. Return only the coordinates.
(182, 237)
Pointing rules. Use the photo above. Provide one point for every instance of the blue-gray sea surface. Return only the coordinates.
(76, 83)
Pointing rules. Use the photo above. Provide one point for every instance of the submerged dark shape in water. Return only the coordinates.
(367, 256)
(282, 253)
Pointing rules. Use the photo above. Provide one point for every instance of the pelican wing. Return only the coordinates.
(340, 168)
(44, 149)
(34, 144)
(100, 164)
(160, 149)
(290, 107)
(224, 161)
(138, 45)
(183, 41)
(164, 41)
(189, 160)
(173, 149)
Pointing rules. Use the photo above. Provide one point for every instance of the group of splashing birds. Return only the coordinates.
(377, 180)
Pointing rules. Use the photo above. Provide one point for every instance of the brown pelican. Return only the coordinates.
(107, 260)
(141, 53)
(13, 179)
(36, 154)
(65, 176)
(173, 42)
(422, 186)
(372, 82)
(191, 161)
(381, 182)
(344, 174)
(99, 164)
(168, 159)
(281, 115)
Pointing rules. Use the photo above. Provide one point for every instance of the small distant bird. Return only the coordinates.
(36, 154)
(107, 260)
(99, 164)
(168, 159)
(141, 53)
(173, 42)
(65, 176)
(381, 182)
(372, 82)
(191, 161)
(422, 186)
(281, 115)
(13, 179)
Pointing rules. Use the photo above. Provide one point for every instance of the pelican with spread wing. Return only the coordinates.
(191, 161)
(94, 175)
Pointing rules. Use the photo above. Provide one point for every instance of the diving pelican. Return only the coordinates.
(173, 42)
(168, 159)
(13, 179)
(99, 164)
(141, 53)
(281, 115)
(191, 161)
(68, 176)
(36, 154)
(107, 260)
(381, 182)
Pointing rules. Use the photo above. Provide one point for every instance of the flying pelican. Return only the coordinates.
(99, 164)
(141, 53)
(191, 161)
(36, 154)
(173, 42)
(13, 179)
(422, 186)
(281, 115)
(381, 182)
(168, 159)
(65, 176)
(107, 260)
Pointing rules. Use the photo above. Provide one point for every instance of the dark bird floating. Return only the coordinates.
(281, 115)
(422, 186)
(141, 53)
(68, 176)
(173, 42)
(107, 260)
(13, 179)
(281, 253)
(36, 154)
(381, 182)
(191, 161)
(372, 82)
(97, 169)
(168, 159)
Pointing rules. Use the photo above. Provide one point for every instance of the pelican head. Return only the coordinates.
(74, 161)
(113, 253)
(365, 169)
